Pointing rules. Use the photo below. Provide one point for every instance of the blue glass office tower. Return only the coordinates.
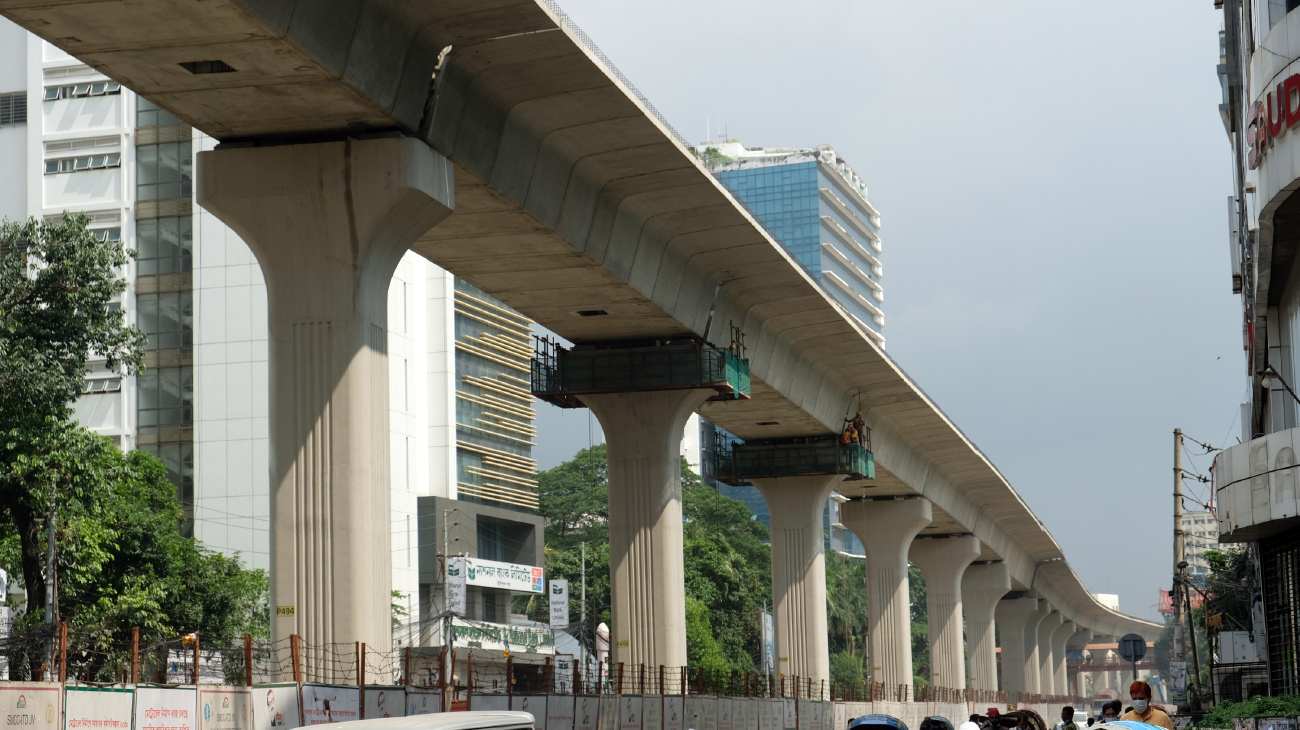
(816, 206)
(811, 201)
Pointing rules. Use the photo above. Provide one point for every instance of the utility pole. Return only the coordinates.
(51, 580)
(1177, 651)
(583, 635)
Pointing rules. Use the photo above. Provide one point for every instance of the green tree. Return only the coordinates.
(846, 669)
(123, 563)
(728, 564)
(846, 606)
(920, 625)
(57, 281)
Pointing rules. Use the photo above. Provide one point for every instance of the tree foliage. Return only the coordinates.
(728, 564)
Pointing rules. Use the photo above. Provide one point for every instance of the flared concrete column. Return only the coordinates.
(328, 223)
(886, 529)
(1046, 664)
(1042, 651)
(643, 433)
(944, 561)
(1060, 684)
(1078, 640)
(1018, 619)
(982, 586)
(799, 573)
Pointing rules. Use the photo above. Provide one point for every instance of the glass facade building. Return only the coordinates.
(816, 206)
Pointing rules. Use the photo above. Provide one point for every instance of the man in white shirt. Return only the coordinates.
(972, 724)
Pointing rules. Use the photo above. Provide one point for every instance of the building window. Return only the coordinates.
(78, 164)
(149, 114)
(165, 245)
(166, 398)
(1280, 556)
(103, 385)
(179, 460)
(167, 318)
(13, 108)
(73, 91)
(164, 171)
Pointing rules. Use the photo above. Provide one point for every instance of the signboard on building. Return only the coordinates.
(506, 576)
(96, 708)
(495, 637)
(456, 601)
(559, 604)
(562, 677)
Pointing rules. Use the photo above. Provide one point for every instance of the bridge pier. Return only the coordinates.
(328, 223)
(643, 432)
(1018, 619)
(1079, 639)
(1061, 682)
(886, 529)
(944, 562)
(799, 572)
(1046, 664)
(982, 586)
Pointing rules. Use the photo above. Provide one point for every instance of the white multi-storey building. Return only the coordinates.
(72, 140)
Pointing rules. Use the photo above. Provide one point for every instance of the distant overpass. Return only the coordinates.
(527, 165)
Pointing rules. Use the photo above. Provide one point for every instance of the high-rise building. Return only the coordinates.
(461, 433)
(813, 202)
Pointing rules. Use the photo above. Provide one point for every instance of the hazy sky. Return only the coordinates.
(1051, 179)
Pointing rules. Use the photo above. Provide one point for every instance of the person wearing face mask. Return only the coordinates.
(1110, 711)
(1142, 710)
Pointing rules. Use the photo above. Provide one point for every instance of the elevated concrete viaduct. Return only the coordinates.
(576, 204)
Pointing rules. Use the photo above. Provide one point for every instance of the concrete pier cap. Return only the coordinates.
(799, 572)
(944, 561)
(886, 529)
(328, 223)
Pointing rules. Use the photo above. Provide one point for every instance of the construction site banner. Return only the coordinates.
(791, 716)
(856, 710)
(770, 712)
(323, 704)
(31, 705)
(275, 707)
(489, 703)
(674, 711)
(652, 712)
(559, 712)
(423, 701)
(586, 712)
(225, 708)
(97, 708)
(745, 713)
(608, 713)
(840, 716)
(534, 705)
(726, 708)
(385, 702)
(629, 712)
(164, 708)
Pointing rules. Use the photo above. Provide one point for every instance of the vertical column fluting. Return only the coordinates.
(1017, 619)
(1078, 641)
(328, 223)
(982, 586)
(1046, 664)
(944, 561)
(886, 529)
(643, 433)
(799, 572)
(1060, 683)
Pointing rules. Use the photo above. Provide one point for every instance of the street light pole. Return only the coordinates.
(1177, 651)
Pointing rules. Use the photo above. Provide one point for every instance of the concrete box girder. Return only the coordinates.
(655, 266)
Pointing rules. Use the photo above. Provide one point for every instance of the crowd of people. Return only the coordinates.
(1142, 710)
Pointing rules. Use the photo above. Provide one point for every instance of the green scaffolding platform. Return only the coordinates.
(560, 374)
(774, 458)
